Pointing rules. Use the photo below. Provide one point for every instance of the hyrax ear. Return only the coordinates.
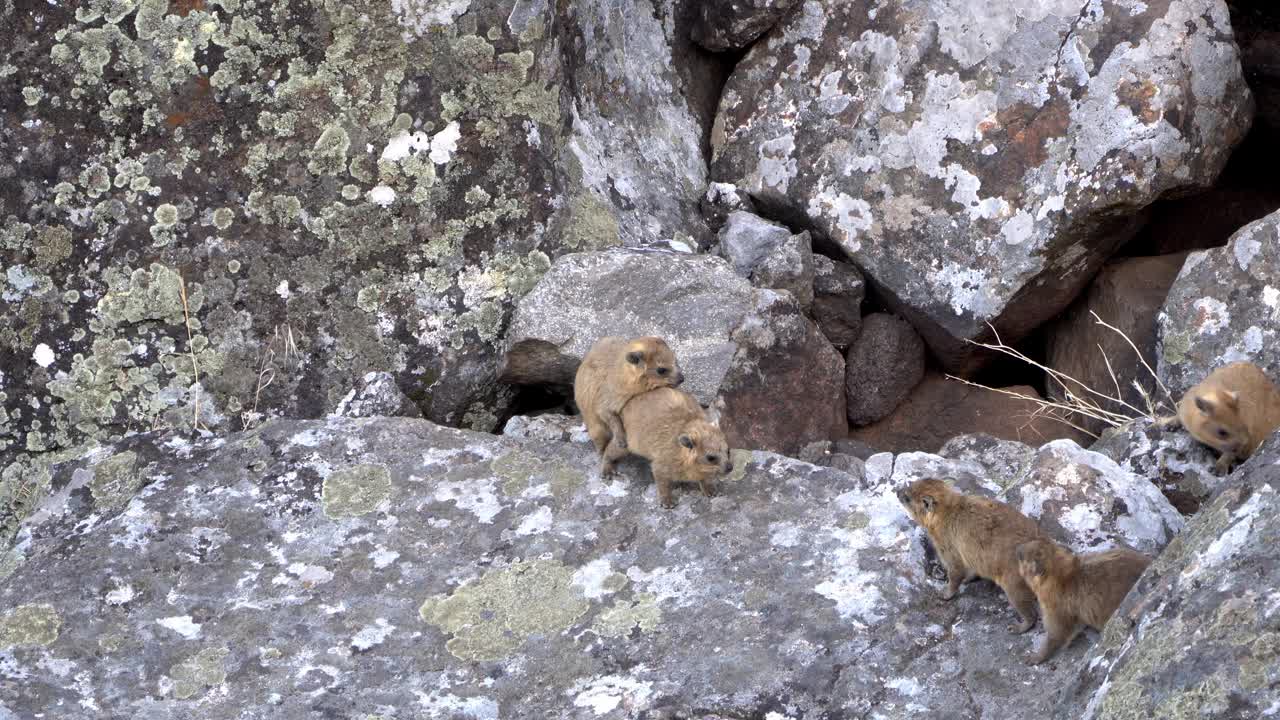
(686, 442)
(634, 357)
(1205, 404)
(1231, 399)
(1037, 567)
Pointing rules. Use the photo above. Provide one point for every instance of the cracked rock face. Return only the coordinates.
(1224, 307)
(1204, 612)
(748, 353)
(734, 24)
(979, 160)
(1180, 465)
(390, 566)
(305, 193)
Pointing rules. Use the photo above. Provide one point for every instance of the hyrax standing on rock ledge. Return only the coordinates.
(975, 537)
(1074, 589)
(1232, 411)
(615, 370)
(669, 428)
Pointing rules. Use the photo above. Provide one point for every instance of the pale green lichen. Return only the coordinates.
(329, 155)
(591, 224)
(115, 481)
(520, 470)
(9, 562)
(493, 616)
(32, 95)
(355, 491)
(222, 218)
(34, 625)
(625, 615)
(199, 673)
(1176, 346)
(24, 483)
(741, 460)
(1206, 699)
(166, 215)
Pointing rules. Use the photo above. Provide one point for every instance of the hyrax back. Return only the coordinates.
(1076, 589)
(615, 370)
(669, 428)
(974, 537)
(1232, 411)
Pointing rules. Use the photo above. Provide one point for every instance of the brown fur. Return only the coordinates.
(1076, 589)
(975, 537)
(669, 428)
(1232, 411)
(614, 371)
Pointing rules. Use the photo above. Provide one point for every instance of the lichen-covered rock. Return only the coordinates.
(789, 267)
(1005, 461)
(548, 428)
(979, 160)
(377, 394)
(1203, 613)
(838, 291)
(748, 353)
(939, 409)
(349, 566)
(735, 24)
(1126, 294)
(1087, 500)
(1177, 463)
(1224, 307)
(720, 201)
(881, 367)
(247, 206)
(746, 240)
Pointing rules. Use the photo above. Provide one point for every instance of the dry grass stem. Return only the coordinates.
(196, 425)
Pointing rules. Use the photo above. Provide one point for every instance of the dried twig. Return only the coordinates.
(196, 425)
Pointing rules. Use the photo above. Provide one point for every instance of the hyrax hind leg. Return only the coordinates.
(609, 459)
(1023, 601)
(598, 431)
(1059, 632)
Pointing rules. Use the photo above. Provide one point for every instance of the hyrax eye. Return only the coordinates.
(1222, 433)
(713, 459)
(664, 371)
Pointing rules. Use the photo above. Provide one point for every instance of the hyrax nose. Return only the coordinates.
(728, 467)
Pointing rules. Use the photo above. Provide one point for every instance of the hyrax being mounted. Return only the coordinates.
(669, 428)
(975, 537)
(614, 371)
(1074, 589)
(1232, 411)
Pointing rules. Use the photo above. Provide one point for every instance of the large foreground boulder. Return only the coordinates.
(374, 567)
(1198, 636)
(1224, 307)
(980, 160)
(246, 207)
(748, 353)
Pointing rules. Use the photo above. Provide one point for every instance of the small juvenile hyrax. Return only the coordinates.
(669, 428)
(1074, 589)
(975, 537)
(615, 370)
(1232, 411)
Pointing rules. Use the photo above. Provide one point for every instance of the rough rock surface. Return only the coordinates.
(734, 24)
(789, 267)
(1127, 294)
(376, 394)
(1198, 635)
(979, 160)
(748, 353)
(838, 291)
(548, 428)
(720, 201)
(1178, 464)
(940, 409)
(881, 367)
(1224, 307)
(1004, 460)
(339, 187)
(747, 239)
(387, 567)
(1085, 496)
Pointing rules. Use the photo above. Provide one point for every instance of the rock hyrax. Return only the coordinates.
(1232, 411)
(615, 370)
(1075, 589)
(975, 537)
(669, 428)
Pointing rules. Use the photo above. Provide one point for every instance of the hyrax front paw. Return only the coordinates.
(1223, 466)
(1022, 627)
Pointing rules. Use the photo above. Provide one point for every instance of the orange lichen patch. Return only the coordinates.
(1137, 97)
(184, 7)
(1028, 128)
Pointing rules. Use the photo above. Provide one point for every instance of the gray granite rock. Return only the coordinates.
(979, 161)
(376, 394)
(789, 267)
(1178, 464)
(747, 239)
(838, 291)
(1224, 307)
(1004, 461)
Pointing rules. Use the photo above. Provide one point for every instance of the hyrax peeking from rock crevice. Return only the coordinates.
(669, 428)
(614, 371)
(975, 537)
(1076, 589)
(1232, 411)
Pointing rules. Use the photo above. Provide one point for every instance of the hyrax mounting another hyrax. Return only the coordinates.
(1232, 411)
(669, 428)
(615, 370)
(975, 537)
(1074, 589)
